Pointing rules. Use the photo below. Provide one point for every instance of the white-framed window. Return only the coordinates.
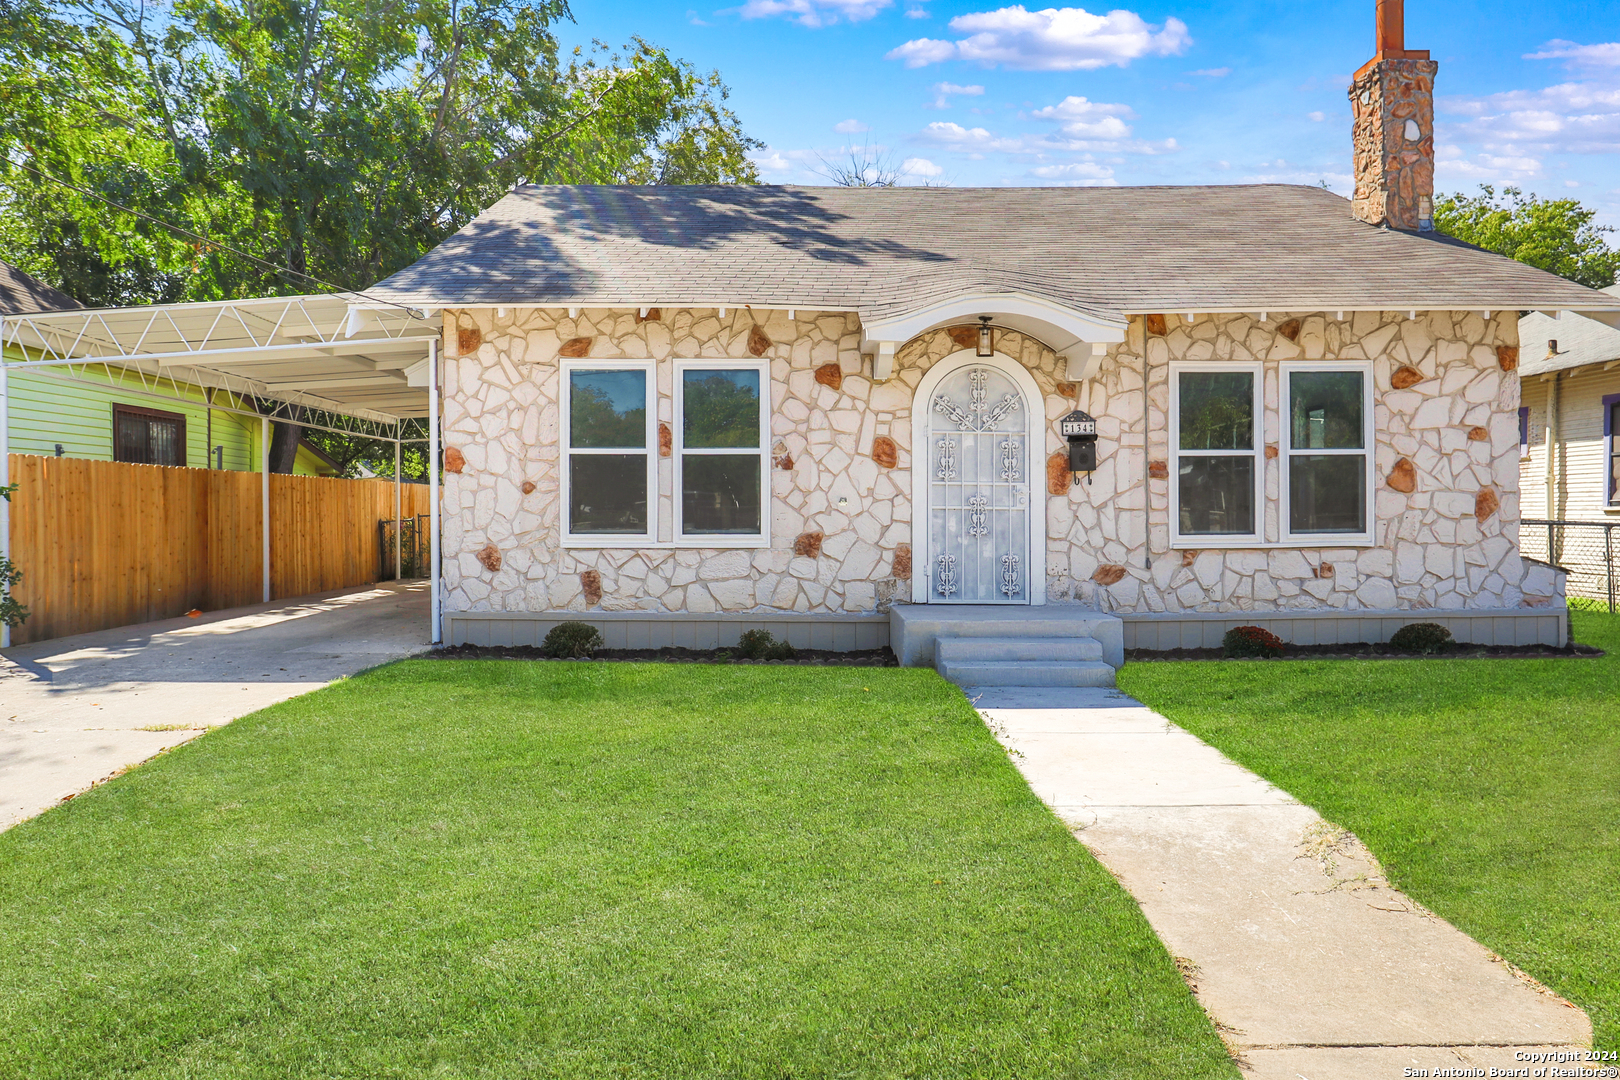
(1327, 438)
(610, 461)
(1217, 467)
(722, 448)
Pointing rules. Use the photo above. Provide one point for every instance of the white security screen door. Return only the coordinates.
(978, 489)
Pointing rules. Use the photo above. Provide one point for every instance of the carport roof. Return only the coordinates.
(318, 351)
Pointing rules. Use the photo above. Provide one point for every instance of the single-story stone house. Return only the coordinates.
(829, 411)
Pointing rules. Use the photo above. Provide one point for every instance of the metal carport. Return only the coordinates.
(371, 369)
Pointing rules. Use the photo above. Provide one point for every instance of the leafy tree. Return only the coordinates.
(339, 139)
(1555, 234)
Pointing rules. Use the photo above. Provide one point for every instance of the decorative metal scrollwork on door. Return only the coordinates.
(980, 415)
(1011, 451)
(946, 469)
(978, 514)
(945, 580)
(1009, 575)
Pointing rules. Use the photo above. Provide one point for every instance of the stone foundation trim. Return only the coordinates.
(1488, 626)
(658, 630)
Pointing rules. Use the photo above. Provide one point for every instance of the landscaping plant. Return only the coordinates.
(1247, 641)
(571, 641)
(1421, 637)
(760, 645)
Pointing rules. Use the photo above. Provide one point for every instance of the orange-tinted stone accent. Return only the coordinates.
(830, 375)
(885, 452)
(454, 460)
(1108, 574)
(1403, 477)
(1405, 375)
(902, 562)
(808, 545)
(591, 582)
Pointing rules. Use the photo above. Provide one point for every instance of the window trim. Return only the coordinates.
(1368, 452)
(1611, 447)
(565, 395)
(1218, 540)
(679, 451)
(119, 408)
(1524, 432)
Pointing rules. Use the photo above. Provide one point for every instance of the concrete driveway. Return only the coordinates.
(78, 709)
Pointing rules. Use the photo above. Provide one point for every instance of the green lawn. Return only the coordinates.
(1490, 789)
(499, 869)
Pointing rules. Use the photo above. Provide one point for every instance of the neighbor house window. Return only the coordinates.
(1215, 419)
(721, 409)
(1326, 481)
(1524, 431)
(1611, 448)
(607, 436)
(148, 437)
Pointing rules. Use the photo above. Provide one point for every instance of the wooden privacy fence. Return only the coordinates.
(105, 544)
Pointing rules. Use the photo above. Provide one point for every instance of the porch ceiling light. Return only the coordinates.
(985, 346)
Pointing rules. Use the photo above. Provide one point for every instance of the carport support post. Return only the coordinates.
(398, 540)
(5, 470)
(264, 501)
(434, 635)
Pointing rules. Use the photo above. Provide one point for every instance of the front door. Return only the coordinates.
(978, 490)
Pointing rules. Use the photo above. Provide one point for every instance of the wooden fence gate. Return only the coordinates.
(105, 544)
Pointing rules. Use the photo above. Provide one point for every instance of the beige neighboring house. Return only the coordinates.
(1569, 433)
(845, 414)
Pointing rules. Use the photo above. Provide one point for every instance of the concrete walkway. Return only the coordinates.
(75, 710)
(1310, 964)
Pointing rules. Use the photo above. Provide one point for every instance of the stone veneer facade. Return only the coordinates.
(1446, 460)
(1392, 143)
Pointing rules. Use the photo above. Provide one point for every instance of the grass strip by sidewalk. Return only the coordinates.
(500, 869)
(1489, 789)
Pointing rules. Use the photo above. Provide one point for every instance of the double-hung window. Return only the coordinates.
(609, 469)
(1215, 438)
(721, 431)
(1327, 467)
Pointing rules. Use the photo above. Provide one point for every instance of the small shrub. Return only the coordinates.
(1421, 637)
(571, 641)
(1251, 641)
(760, 645)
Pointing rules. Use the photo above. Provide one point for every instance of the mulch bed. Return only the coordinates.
(1365, 651)
(883, 657)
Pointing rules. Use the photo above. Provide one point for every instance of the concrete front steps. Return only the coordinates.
(1050, 645)
(1022, 661)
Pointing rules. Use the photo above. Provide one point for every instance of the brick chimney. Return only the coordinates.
(1392, 100)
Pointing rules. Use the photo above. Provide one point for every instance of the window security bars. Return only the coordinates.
(1587, 549)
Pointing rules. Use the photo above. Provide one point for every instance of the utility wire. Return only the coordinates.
(417, 312)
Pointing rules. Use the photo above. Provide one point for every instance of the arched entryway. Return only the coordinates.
(979, 518)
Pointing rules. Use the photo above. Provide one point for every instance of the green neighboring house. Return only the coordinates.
(102, 412)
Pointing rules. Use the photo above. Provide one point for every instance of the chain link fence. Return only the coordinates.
(1586, 549)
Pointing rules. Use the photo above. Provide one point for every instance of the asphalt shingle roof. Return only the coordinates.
(22, 294)
(1580, 342)
(881, 251)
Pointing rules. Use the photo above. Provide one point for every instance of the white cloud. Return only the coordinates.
(1605, 54)
(944, 91)
(1318, 116)
(813, 12)
(916, 13)
(1076, 174)
(1212, 73)
(1054, 39)
(919, 168)
(1572, 183)
(1452, 164)
(1082, 119)
(1570, 118)
(850, 127)
(771, 161)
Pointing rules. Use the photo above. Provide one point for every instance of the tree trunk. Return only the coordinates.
(284, 446)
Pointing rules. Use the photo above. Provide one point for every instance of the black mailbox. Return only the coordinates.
(1080, 429)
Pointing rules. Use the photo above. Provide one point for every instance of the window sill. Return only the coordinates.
(1200, 543)
(698, 544)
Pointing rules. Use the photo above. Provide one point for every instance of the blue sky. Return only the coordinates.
(1154, 93)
